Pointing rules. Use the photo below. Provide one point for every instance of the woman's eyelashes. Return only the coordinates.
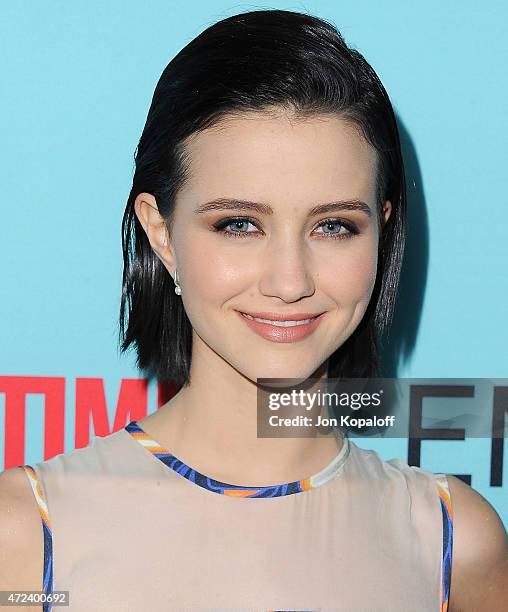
(335, 229)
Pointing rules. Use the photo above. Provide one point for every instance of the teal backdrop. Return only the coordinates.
(77, 81)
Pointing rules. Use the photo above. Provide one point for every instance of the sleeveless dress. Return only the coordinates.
(128, 526)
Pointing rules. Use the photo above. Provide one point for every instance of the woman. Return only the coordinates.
(263, 238)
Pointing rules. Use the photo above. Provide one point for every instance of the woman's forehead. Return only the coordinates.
(316, 157)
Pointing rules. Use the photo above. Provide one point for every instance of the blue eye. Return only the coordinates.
(239, 225)
(339, 226)
(340, 229)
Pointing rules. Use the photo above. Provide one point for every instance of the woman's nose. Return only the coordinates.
(286, 271)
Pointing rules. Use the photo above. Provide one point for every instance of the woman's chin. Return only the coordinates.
(282, 377)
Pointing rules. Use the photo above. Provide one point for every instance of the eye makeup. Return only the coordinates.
(350, 228)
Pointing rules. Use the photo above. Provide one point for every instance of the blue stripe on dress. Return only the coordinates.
(47, 573)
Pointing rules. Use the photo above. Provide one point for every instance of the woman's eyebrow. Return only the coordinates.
(265, 209)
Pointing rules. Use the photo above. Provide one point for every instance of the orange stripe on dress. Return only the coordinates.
(240, 492)
(39, 495)
(445, 496)
(306, 484)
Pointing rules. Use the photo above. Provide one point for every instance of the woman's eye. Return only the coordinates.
(239, 227)
(234, 227)
(337, 229)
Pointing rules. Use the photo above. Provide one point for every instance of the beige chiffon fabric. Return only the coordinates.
(129, 533)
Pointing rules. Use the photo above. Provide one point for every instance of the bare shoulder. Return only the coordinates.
(480, 553)
(21, 535)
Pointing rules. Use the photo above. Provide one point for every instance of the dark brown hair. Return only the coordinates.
(250, 62)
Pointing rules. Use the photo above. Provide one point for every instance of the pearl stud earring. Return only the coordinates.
(178, 289)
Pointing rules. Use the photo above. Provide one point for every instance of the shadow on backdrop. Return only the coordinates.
(398, 345)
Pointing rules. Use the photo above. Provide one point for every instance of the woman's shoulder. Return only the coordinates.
(23, 488)
(414, 494)
(103, 454)
(479, 576)
(480, 546)
(24, 500)
(371, 465)
(19, 515)
(21, 537)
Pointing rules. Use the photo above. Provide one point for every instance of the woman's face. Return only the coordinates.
(246, 240)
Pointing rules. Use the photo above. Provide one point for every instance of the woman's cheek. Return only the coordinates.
(211, 277)
(351, 279)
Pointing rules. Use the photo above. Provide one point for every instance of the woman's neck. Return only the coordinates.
(212, 424)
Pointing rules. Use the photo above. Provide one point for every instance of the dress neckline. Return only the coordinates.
(231, 490)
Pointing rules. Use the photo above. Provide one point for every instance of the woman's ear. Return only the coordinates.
(147, 212)
(387, 211)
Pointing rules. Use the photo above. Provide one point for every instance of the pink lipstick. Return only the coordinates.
(278, 327)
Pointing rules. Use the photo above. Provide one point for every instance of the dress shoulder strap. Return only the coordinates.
(446, 564)
(47, 576)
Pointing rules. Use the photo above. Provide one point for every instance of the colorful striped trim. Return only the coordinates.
(446, 566)
(230, 490)
(47, 575)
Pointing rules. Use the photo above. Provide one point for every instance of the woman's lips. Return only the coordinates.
(275, 333)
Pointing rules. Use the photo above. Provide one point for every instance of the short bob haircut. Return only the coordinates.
(260, 60)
